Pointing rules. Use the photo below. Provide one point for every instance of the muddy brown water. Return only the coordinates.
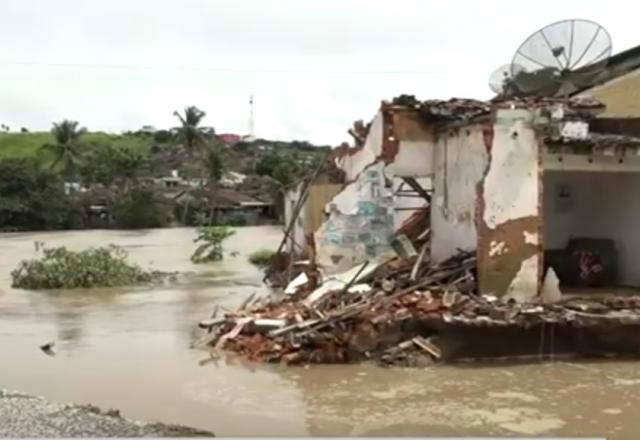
(130, 349)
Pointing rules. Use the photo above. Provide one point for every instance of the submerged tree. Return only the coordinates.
(66, 146)
(190, 132)
(210, 247)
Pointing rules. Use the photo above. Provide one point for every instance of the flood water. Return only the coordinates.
(130, 349)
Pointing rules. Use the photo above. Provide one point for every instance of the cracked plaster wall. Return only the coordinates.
(460, 159)
(509, 209)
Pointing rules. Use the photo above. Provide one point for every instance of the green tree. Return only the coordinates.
(286, 172)
(138, 208)
(108, 165)
(67, 146)
(283, 168)
(190, 132)
(210, 247)
(266, 164)
(32, 198)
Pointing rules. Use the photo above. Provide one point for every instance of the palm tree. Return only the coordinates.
(66, 146)
(190, 133)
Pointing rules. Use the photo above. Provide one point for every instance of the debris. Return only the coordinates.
(392, 311)
(266, 324)
(209, 323)
(403, 246)
(48, 348)
(296, 283)
(342, 321)
(427, 346)
(551, 288)
(419, 260)
(234, 332)
(246, 302)
(340, 282)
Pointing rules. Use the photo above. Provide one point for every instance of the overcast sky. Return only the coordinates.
(313, 66)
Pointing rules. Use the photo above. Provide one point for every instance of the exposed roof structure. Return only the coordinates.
(436, 110)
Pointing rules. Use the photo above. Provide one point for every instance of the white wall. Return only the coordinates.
(354, 164)
(459, 163)
(414, 159)
(600, 205)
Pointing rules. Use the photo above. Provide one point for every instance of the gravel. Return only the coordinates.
(22, 415)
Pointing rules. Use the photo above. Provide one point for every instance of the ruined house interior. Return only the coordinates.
(528, 184)
(591, 208)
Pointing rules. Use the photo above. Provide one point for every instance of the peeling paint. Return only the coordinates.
(508, 209)
(497, 248)
(530, 238)
(524, 287)
(360, 223)
(512, 181)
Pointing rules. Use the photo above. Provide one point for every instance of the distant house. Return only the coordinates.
(232, 179)
(229, 138)
(229, 205)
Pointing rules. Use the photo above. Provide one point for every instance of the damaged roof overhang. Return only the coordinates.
(594, 142)
(442, 111)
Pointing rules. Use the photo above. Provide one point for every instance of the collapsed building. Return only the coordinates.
(520, 181)
(517, 238)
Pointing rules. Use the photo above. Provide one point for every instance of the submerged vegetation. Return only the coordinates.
(261, 257)
(60, 268)
(210, 247)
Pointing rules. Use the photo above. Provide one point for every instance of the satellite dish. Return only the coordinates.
(561, 58)
(501, 80)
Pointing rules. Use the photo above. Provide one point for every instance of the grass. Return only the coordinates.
(25, 145)
(261, 257)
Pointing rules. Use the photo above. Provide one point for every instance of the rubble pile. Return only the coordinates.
(393, 313)
(383, 320)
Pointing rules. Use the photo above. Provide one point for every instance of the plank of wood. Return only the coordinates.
(208, 323)
(428, 346)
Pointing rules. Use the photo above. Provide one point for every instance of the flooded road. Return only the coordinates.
(130, 349)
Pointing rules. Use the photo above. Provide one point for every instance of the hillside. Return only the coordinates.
(22, 145)
(160, 155)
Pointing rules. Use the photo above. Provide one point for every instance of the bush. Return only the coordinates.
(211, 238)
(31, 197)
(138, 209)
(61, 268)
(261, 257)
(235, 220)
(162, 136)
